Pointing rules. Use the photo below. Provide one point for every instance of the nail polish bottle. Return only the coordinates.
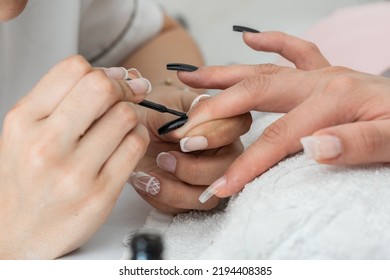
(147, 246)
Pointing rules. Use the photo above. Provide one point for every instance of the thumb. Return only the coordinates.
(350, 144)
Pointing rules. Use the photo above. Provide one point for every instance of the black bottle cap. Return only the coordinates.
(147, 246)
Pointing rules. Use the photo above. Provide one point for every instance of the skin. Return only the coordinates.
(180, 190)
(10, 9)
(49, 168)
(341, 102)
(61, 175)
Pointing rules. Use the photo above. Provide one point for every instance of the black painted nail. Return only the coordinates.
(181, 67)
(240, 28)
(172, 125)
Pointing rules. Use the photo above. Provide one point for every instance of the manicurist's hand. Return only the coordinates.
(66, 151)
(340, 116)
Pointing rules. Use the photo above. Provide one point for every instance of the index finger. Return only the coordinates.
(90, 98)
(269, 93)
(278, 140)
(222, 77)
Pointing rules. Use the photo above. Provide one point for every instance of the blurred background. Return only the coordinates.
(210, 22)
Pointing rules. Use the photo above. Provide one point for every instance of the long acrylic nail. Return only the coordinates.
(166, 162)
(213, 189)
(140, 86)
(321, 147)
(193, 143)
(181, 67)
(145, 183)
(240, 28)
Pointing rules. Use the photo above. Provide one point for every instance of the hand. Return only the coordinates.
(66, 151)
(176, 179)
(345, 113)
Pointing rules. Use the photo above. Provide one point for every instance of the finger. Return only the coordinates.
(211, 165)
(103, 138)
(350, 144)
(172, 192)
(215, 134)
(268, 93)
(304, 54)
(54, 86)
(122, 162)
(278, 140)
(222, 77)
(89, 100)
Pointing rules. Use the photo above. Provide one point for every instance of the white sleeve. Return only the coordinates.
(111, 30)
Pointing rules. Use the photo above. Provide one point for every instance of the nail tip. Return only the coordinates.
(204, 197)
(181, 67)
(240, 28)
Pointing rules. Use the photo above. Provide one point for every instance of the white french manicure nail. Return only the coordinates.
(213, 189)
(145, 183)
(116, 73)
(133, 73)
(140, 86)
(193, 143)
(166, 162)
(197, 99)
(320, 147)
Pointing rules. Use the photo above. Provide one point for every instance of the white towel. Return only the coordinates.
(297, 210)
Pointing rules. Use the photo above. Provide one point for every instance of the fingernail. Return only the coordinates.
(140, 86)
(133, 73)
(117, 73)
(193, 143)
(166, 162)
(213, 189)
(321, 147)
(172, 125)
(181, 67)
(145, 183)
(240, 28)
(197, 99)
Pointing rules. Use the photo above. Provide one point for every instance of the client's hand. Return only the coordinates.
(344, 113)
(172, 180)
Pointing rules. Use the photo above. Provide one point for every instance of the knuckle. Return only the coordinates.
(41, 156)
(78, 63)
(372, 140)
(267, 68)
(310, 48)
(276, 132)
(139, 141)
(341, 81)
(13, 121)
(126, 113)
(102, 86)
(256, 85)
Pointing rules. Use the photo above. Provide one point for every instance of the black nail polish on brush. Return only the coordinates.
(181, 67)
(240, 28)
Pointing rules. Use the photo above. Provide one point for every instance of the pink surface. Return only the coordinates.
(357, 37)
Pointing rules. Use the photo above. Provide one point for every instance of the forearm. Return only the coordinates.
(173, 44)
